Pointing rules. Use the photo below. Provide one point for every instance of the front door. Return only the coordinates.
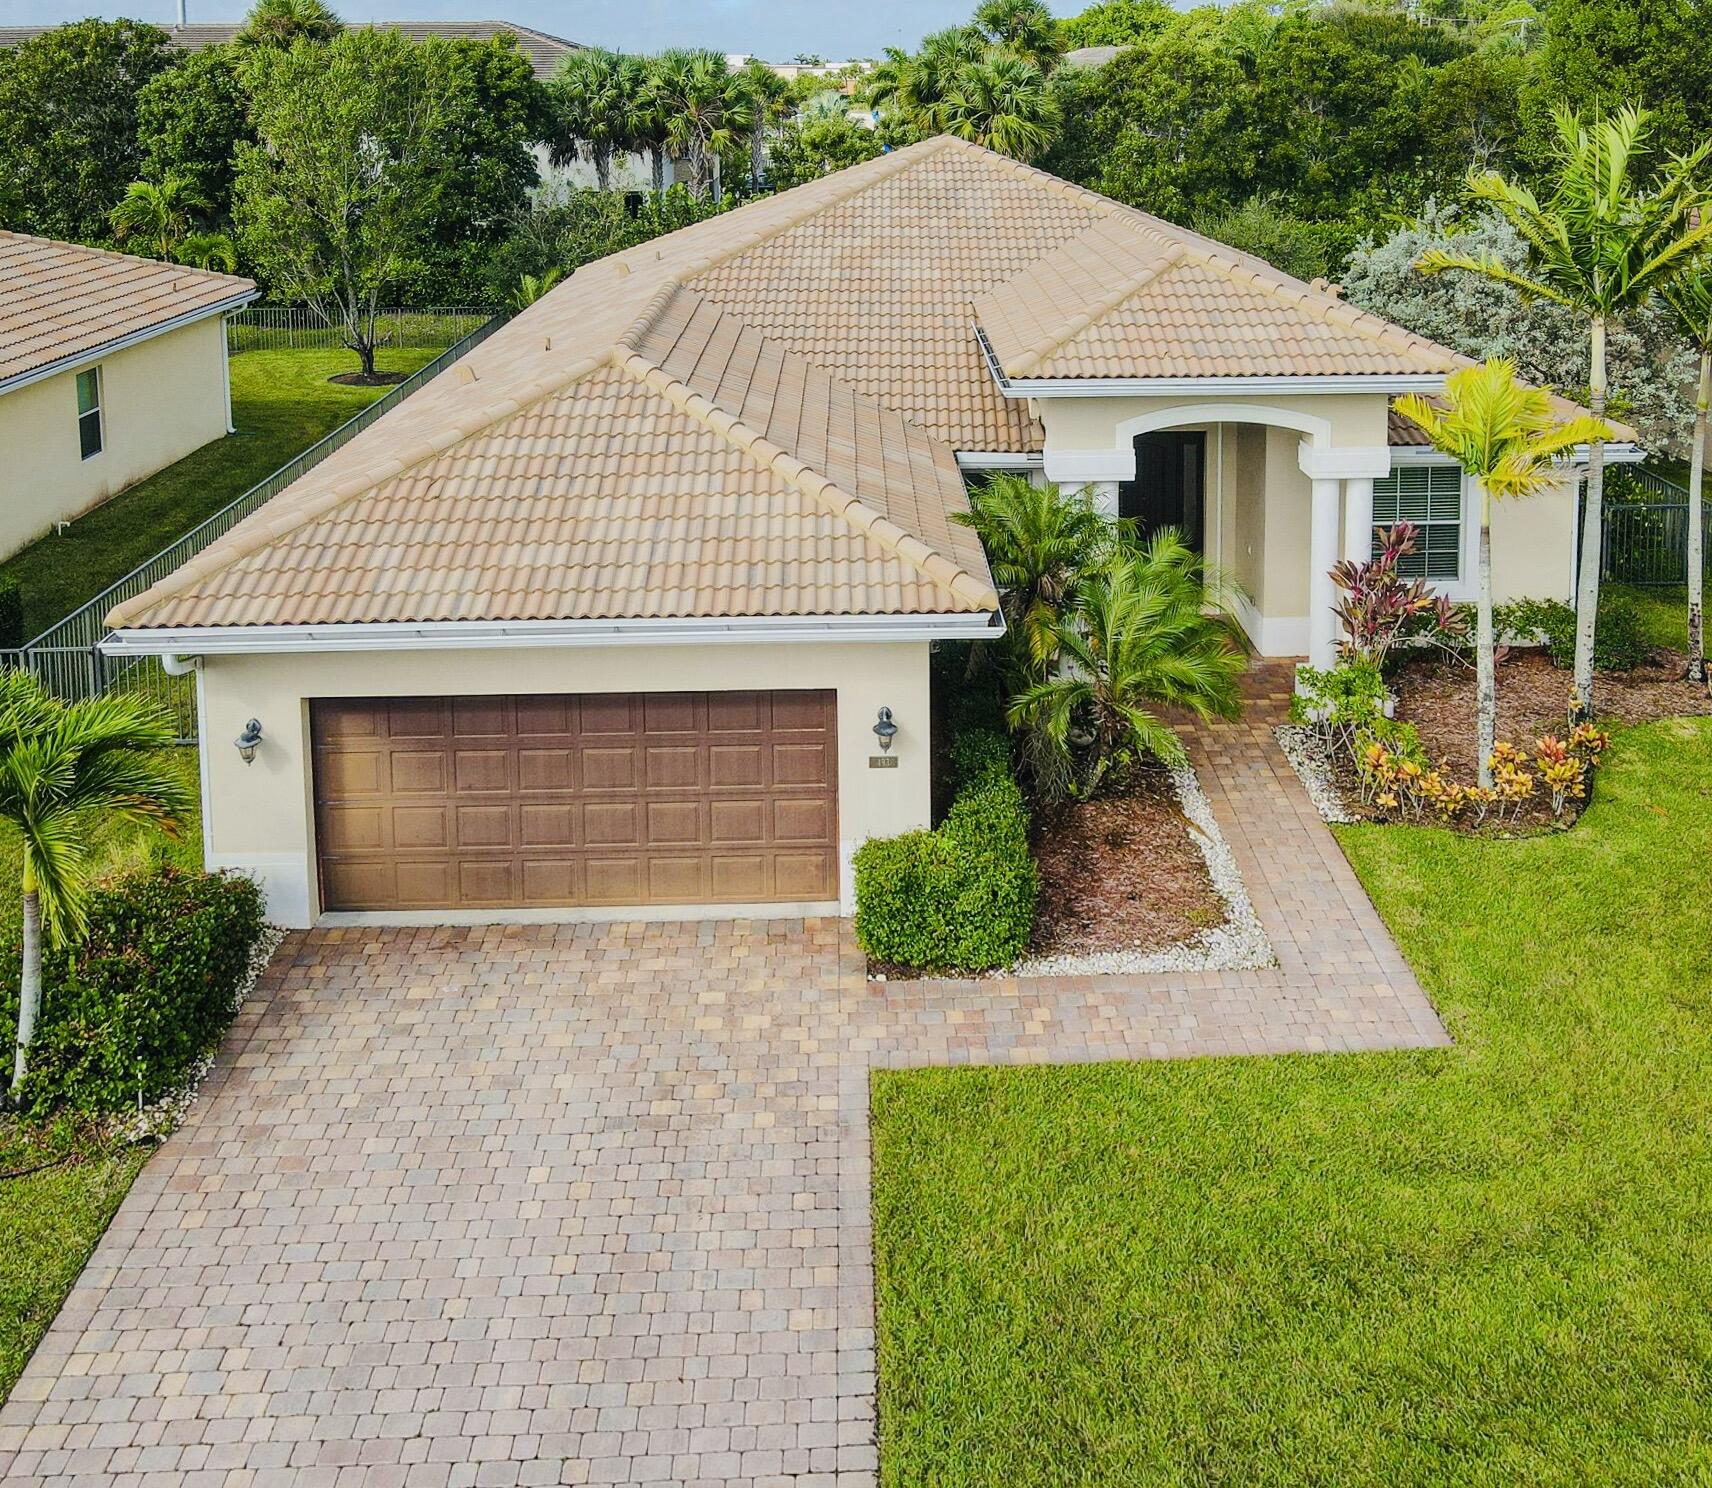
(1168, 489)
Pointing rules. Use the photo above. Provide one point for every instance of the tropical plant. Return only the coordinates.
(157, 212)
(279, 23)
(768, 94)
(597, 100)
(705, 108)
(1690, 299)
(1138, 636)
(1603, 245)
(1041, 544)
(1004, 104)
(530, 287)
(208, 250)
(1025, 29)
(1509, 438)
(64, 767)
(1379, 608)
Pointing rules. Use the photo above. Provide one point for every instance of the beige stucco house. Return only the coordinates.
(601, 622)
(111, 367)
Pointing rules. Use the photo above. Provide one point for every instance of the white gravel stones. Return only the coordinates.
(1306, 751)
(1240, 944)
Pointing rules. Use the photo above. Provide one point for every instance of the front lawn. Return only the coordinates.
(1490, 1264)
(281, 402)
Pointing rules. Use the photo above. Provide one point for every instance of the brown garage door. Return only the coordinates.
(631, 798)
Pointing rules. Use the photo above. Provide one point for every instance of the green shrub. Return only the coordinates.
(1619, 637)
(127, 1014)
(12, 635)
(961, 897)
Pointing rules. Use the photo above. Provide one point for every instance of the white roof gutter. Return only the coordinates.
(78, 359)
(461, 635)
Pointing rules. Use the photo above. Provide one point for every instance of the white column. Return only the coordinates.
(1322, 555)
(1358, 518)
(1104, 495)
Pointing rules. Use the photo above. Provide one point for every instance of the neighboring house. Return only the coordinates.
(603, 619)
(544, 51)
(110, 368)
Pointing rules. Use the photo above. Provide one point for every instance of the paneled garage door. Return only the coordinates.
(549, 801)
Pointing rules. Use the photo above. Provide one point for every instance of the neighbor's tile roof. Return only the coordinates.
(61, 302)
(757, 414)
(544, 51)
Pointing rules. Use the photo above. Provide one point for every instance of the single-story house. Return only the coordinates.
(111, 367)
(603, 620)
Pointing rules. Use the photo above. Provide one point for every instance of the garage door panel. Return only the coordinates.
(601, 799)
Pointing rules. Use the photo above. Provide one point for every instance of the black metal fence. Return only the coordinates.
(294, 327)
(1646, 530)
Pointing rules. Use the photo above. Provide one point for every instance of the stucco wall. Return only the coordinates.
(1533, 546)
(259, 817)
(1349, 419)
(160, 399)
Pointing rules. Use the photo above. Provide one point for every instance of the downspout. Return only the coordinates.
(180, 666)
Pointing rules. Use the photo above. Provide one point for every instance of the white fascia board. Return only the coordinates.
(1425, 454)
(1091, 465)
(1349, 462)
(95, 354)
(1107, 387)
(998, 460)
(460, 635)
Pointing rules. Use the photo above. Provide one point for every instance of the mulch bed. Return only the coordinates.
(362, 379)
(1437, 695)
(1121, 873)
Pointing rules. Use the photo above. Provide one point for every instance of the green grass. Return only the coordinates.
(1664, 613)
(1490, 1264)
(281, 403)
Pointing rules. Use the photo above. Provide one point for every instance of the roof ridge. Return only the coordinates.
(257, 534)
(906, 546)
(1025, 362)
(126, 258)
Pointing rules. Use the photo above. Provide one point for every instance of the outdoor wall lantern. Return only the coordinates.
(248, 740)
(885, 730)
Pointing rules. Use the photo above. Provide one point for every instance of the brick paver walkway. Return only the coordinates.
(539, 1205)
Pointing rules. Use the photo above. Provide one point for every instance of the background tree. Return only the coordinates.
(64, 769)
(705, 108)
(596, 99)
(1689, 298)
(1509, 439)
(806, 149)
(1118, 23)
(768, 97)
(1023, 29)
(68, 124)
(1603, 245)
(1264, 227)
(336, 200)
(208, 250)
(1005, 105)
(280, 23)
(156, 215)
(190, 120)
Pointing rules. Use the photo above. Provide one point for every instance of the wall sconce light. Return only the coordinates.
(885, 730)
(248, 740)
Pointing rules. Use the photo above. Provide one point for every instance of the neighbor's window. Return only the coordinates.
(89, 411)
(1430, 496)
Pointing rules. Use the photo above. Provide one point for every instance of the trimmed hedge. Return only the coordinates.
(961, 897)
(128, 1013)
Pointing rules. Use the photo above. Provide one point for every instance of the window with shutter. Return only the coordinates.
(1430, 496)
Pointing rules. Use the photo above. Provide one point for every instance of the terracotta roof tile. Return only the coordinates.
(62, 301)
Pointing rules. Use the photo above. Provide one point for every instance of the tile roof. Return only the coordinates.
(62, 302)
(544, 51)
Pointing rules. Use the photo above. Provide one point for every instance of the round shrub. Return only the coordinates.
(128, 1012)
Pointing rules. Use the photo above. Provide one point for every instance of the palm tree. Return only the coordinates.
(919, 88)
(1040, 545)
(1004, 104)
(157, 212)
(768, 93)
(64, 768)
(1025, 29)
(597, 99)
(1602, 246)
(1506, 436)
(278, 23)
(1690, 300)
(1136, 637)
(530, 287)
(208, 250)
(705, 109)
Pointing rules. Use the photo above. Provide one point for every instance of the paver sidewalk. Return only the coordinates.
(535, 1205)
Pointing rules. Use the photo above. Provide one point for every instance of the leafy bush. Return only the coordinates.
(1380, 609)
(960, 897)
(1619, 638)
(1340, 702)
(11, 615)
(128, 1012)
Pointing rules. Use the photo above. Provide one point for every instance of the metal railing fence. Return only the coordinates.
(1646, 542)
(67, 658)
(296, 327)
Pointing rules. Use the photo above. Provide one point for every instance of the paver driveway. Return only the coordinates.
(590, 1204)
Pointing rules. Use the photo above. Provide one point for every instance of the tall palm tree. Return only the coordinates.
(1040, 545)
(918, 88)
(1004, 104)
(1690, 301)
(1603, 245)
(64, 768)
(705, 109)
(768, 94)
(1025, 29)
(278, 23)
(1509, 439)
(597, 99)
(1137, 637)
(157, 212)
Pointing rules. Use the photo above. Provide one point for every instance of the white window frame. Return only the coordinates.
(99, 409)
(1466, 585)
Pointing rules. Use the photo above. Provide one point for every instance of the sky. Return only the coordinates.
(774, 29)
